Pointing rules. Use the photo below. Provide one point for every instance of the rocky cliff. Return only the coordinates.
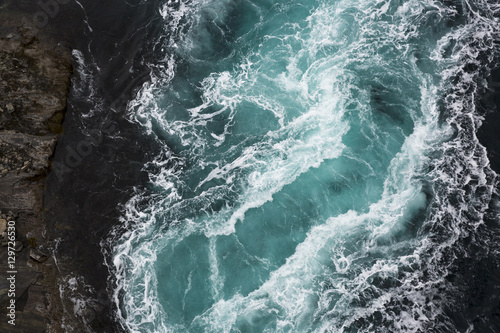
(34, 83)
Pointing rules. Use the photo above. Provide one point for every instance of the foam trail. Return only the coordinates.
(320, 171)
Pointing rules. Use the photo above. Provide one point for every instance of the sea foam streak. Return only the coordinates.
(308, 181)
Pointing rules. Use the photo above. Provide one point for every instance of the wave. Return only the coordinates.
(320, 169)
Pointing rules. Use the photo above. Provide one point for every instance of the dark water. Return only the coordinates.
(98, 159)
(86, 189)
(272, 166)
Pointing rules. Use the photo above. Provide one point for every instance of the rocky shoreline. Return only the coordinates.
(35, 77)
(62, 208)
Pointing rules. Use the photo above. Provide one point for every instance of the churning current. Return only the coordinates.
(320, 169)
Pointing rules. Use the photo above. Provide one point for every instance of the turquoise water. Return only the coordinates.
(302, 144)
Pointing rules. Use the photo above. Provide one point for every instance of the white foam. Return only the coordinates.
(334, 248)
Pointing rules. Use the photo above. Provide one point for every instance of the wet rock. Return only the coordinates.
(10, 108)
(18, 246)
(25, 166)
(38, 256)
(3, 226)
(34, 83)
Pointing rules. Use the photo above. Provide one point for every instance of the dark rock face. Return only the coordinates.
(34, 84)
